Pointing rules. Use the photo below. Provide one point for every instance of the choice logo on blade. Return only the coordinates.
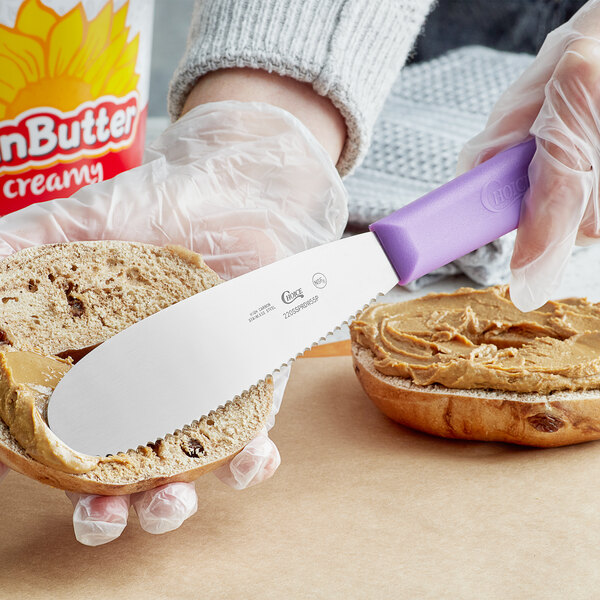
(288, 297)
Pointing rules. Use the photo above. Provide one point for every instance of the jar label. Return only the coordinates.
(72, 110)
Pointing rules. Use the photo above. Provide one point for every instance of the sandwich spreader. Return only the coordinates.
(185, 361)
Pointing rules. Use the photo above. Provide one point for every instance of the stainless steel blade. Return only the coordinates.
(187, 360)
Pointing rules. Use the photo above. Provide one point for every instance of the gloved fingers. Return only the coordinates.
(98, 519)
(569, 120)
(517, 108)
(587, 19)
(550, 216)
(257, 462)
(166, 507)
(224, 173)
(561, 206)
(568, 125)
(3, 471)
(260, 458)
(504, 130)
(240, 249)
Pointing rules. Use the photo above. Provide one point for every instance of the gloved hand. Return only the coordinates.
(101, 519)
(557, 100)
(244, 184)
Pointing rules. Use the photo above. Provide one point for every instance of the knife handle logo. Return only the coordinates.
(497, 196)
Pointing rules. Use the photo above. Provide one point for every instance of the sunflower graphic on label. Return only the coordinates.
(73, 94)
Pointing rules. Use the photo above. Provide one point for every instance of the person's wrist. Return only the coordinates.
(316, 112)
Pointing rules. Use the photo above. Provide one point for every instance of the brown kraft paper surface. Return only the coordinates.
(360, 508)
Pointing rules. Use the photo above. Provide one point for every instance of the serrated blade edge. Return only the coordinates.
(187, 360)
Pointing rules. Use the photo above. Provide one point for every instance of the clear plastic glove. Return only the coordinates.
(557, 100)
(260, 458)
(166, 508)
(244, 184)
(98, 519)
(101, 519)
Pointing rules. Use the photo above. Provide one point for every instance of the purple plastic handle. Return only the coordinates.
(458, 217)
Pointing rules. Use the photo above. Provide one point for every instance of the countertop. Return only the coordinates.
(361, 508)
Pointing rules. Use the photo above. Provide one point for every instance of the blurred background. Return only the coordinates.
(512, 25)
(171, 24)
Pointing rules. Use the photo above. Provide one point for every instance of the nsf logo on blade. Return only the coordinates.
(319, 280)
(288, 297)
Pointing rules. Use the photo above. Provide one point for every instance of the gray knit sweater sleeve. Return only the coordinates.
(349, 50)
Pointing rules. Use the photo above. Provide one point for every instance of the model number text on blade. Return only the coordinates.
(261, 311)
(290, 313)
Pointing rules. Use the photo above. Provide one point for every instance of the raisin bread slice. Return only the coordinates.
(63, 299)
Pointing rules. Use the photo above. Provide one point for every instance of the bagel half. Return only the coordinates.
(61, 300)
(543, 420)
(402, 352)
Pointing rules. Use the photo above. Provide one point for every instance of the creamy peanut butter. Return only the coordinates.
(479, 339)
(27, 380)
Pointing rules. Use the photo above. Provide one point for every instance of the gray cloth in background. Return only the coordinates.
(431, 111)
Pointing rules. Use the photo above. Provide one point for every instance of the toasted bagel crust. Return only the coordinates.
(545, 421)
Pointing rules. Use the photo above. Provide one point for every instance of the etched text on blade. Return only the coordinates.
(170, 369)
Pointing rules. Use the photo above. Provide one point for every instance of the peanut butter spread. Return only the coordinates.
(27, 380)
(479, 339)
